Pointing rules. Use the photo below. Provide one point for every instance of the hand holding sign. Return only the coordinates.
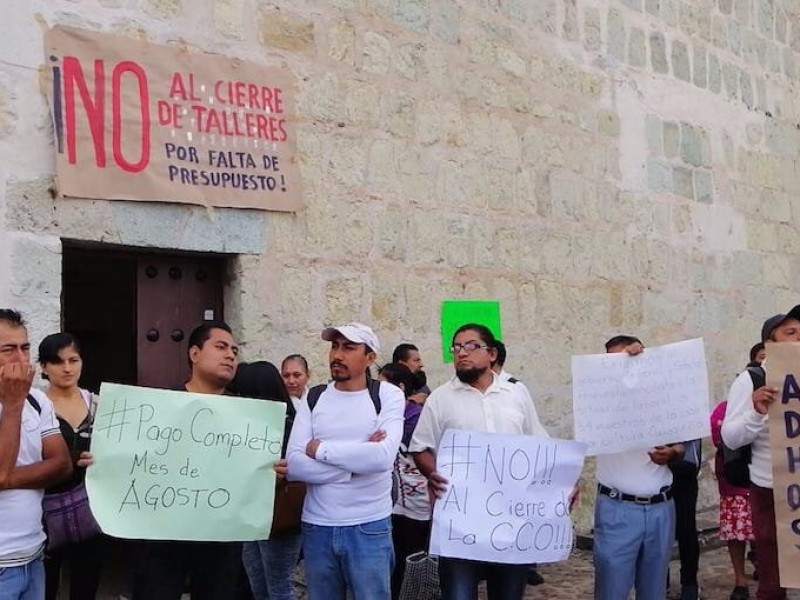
(783, 376)
(181, 466)
(508, 497)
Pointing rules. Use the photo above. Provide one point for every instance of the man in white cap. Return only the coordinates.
(343, 445)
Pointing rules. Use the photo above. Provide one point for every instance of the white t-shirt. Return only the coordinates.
(504, 408)
(21, 533)
(296, 402)
(350, 480)
(743, 425)
(506, 376)
(632, 472)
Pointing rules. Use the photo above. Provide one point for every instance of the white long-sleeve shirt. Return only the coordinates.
(743, 425)
(504, 408)
(350, 479)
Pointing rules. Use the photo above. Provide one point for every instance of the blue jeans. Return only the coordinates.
(270, 566)
(632, 546)
(358, 558)
(23, 583)
(459, 579)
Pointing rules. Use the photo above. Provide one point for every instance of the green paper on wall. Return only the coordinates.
(182, 466)
(456, 313)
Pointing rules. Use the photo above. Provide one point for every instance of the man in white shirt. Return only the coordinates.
(33, 456)
(634, 519)
(475, 399)
(499, 367)
(343, 445)
(746, 423)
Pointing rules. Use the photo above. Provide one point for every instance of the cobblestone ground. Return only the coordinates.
(572, 579)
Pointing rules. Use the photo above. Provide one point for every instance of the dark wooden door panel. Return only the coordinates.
(174, 295)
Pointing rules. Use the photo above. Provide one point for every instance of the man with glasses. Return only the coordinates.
(478, 400)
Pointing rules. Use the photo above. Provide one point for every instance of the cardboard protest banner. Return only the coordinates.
(783, 372)
(623, 402)
(183, 466)
(456, 313)
(508, 497)
(138, 121)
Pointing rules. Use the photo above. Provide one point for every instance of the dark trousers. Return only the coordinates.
(460, 578)
(408, 536)
(684, 489)
(763, 506)
(161, 570)
(83, 561)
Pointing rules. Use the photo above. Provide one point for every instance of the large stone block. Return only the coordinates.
(344, 299)
(8, 109)
(680, 61)
(637, 48)
(412, 14)
(341, 42)
(163, 9)
(615, 25)
(229, 17)
(592, 29)
(285, 31)
(658, 52)
(376, 53)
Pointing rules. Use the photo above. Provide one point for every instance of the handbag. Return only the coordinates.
(289, 498)
(736, 465)
(68, 518)
(421, 579)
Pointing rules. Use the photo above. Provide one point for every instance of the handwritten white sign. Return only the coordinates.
(508, 498)
(623, 402)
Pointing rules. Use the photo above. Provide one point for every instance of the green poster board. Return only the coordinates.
(183, 466)
(456, 313)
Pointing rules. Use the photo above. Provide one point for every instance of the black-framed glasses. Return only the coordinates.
(468, 347)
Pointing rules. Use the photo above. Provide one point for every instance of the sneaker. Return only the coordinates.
(534, 578)
(690, 592)
(740, 592)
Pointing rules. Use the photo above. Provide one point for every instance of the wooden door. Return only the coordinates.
(174, 295)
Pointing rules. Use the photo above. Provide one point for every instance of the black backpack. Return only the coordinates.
(736, 463)
(35, 404)
(373, 385)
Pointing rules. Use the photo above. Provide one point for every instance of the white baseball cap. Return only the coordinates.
(355, 332)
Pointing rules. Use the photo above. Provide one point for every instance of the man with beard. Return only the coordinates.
(408, 355)
(475, 399)
(343, 445)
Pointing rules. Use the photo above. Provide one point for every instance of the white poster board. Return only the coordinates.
(623, 402)
(508, 497)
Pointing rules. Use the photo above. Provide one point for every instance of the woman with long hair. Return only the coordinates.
(61, 364)
(269, 563)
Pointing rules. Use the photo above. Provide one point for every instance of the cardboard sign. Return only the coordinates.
(783, 372)
(623, 402)
(456, 313)
(138, 121)
(182, 466)
(508, 498)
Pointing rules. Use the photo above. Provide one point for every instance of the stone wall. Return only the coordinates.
(596, 165)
